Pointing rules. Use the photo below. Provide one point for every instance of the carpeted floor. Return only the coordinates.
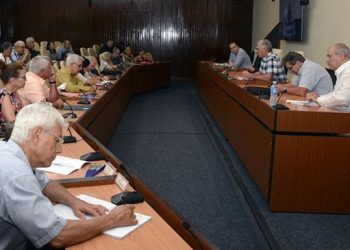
(168, 139)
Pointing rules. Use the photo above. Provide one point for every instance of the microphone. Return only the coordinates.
(69, 138)
(86, 101)
(71, 114)
(279, 106)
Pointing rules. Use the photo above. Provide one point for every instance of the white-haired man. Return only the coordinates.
(339, 60)
(30, 44)
(36, 88)
(20, 54)
(270, 67)
(27, 217)
(68, 75)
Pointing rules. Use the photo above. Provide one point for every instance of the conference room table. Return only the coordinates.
(92, 129)
(299, 158)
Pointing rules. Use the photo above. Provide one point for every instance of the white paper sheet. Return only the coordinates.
(117, 232)
(64, 165)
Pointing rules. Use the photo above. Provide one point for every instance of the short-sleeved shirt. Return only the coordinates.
(34, 90)
(241, 59)
(271, 64)
(314, 77)
(25, 213)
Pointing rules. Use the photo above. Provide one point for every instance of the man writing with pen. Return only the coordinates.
(27, 218)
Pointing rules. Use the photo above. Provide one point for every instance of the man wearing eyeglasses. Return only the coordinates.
(20, 54)
(310, 76)
(69, 75)
(238, 57)
(27, 217)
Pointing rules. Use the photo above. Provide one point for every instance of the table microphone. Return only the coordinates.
(71, 114)
(69, 138)
(86, 101)
(279, 106)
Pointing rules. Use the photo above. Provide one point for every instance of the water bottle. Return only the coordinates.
(273, 93)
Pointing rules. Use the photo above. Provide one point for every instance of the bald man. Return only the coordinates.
(338, 59)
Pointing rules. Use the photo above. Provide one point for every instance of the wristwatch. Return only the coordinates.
(52, 82)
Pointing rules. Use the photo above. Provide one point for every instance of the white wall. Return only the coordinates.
(326, 22)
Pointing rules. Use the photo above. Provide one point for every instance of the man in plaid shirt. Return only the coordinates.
(271, 68)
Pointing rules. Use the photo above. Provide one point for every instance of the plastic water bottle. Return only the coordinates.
(273, 94)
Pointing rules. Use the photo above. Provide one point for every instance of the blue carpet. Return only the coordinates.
(164, 139)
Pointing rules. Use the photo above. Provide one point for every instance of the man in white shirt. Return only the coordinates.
(338, 56)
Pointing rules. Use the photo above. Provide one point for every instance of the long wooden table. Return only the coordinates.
(93, 128)
(299, 158)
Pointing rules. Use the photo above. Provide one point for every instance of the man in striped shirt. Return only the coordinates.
(271, 68)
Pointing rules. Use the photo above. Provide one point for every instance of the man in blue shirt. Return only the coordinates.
(27, 217)
(238, 57)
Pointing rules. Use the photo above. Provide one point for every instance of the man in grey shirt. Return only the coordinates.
(238, 57)
(311, 77)
(27, 217)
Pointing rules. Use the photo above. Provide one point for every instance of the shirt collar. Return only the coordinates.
(342, 67)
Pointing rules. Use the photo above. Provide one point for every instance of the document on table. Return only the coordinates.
(118, 232)
(64, 165)
(302, 103)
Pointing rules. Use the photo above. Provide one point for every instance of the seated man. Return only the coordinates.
(311, 77)
(270, 68)
(339, 60)
(85, 73)
(238, 57)
(30, 44)
(27, 216)
(66, 49)
(35, 88)
(20, 54)
(69, 76)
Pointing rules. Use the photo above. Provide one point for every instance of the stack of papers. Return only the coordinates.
(117, 232)
(64, 165)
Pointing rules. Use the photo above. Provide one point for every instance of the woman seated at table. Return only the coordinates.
(144, 57)
(106, 65)
(13, 77)
(128, 57)
(52, 51)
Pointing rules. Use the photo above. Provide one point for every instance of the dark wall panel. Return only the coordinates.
(181, 31)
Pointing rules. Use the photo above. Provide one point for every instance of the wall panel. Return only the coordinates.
(181, 31)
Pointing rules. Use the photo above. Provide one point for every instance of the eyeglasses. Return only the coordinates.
(290, 66)
(59, 140)
(79, 65)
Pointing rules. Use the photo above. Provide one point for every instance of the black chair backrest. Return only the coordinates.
(333, 76)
